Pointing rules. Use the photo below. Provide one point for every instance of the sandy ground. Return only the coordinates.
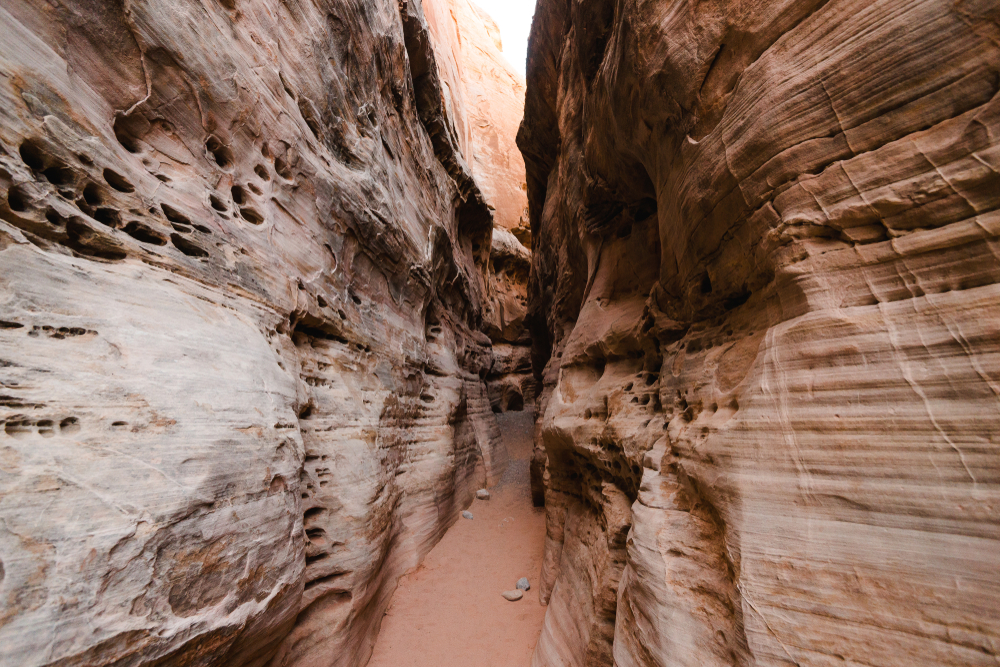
(448, 612)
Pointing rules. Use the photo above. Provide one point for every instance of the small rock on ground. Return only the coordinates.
(522, 584)
(466, 515)
(483, 494)
(513, 596)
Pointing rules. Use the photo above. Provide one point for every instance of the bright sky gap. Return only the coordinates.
(514, 18)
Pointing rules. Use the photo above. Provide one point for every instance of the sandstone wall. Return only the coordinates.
(764, 304)
(243, 262)
(510, 382)
(491, 95)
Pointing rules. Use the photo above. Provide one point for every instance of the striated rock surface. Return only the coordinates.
(764, 306)
(243, 267)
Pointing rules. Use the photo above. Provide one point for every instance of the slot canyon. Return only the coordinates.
(319, 321)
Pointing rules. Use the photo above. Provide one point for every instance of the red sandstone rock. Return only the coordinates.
(491, 96)
(764, 296)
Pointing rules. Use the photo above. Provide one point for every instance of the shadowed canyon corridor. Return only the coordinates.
(449, 611)
(709, 302)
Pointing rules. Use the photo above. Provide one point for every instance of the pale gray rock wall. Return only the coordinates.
(764, 306)
(240, 362)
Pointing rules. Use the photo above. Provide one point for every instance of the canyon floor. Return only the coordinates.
(449, 610)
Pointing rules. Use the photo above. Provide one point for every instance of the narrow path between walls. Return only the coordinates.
(449, 611)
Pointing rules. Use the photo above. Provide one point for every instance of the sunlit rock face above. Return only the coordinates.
(765, 298)
(243, 268)
(490, 97)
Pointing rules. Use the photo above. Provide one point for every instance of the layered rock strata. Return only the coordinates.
(243, 265)
(763, 303)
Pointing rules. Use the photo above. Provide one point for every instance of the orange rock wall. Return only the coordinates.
(491, 94)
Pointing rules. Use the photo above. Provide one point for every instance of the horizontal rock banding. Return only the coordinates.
(762, 293)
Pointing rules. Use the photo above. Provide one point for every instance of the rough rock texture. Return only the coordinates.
(764, 307)
(510, 382)
(243, 262)
(492, 96)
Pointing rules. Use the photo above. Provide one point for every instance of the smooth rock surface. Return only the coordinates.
(483, 494)
(764, 305)
(512, 596)
(492, 94)
(243, 268)
(523, 584)
(467, 515)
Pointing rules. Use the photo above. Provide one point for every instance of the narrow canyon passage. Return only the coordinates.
(449, 610)
(279, 279)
